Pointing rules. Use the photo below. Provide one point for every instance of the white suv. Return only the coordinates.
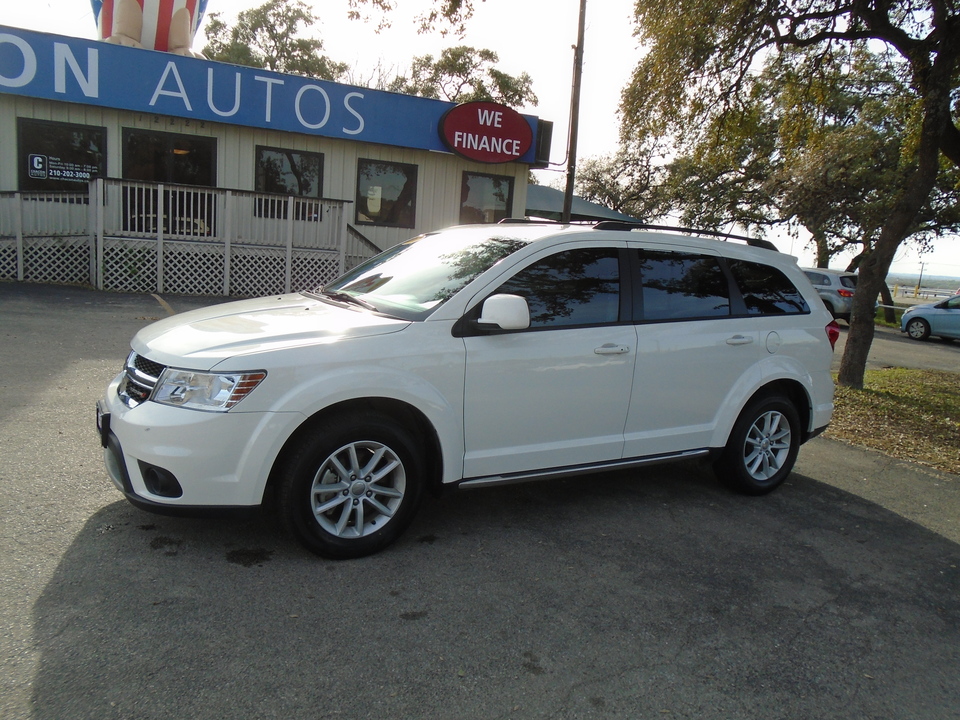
(467, 357)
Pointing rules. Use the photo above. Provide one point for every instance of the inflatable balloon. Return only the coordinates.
(153, 24)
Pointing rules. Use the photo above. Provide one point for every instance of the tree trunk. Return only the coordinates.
(823, 249)
(886, 299)
(935, 82)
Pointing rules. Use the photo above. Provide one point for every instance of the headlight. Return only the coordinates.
(204, 391)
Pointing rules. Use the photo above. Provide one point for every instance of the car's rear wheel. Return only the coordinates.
(352, 486)
(918, 329)
(762, 447)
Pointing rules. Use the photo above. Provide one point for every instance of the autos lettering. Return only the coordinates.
(174, 83)
(108, 75)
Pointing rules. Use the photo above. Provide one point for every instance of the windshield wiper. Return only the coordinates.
(348, 299)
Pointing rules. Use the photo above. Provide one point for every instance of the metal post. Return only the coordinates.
(574, 115)
(288, 261)
(18, 226)
(226, 227)
(160, 207)
(96, 213)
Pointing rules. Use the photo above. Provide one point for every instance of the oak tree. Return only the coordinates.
(702, 57)
(271, 36)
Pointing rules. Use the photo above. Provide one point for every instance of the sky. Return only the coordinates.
(530, 36)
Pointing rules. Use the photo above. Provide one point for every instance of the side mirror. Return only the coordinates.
(508, 312)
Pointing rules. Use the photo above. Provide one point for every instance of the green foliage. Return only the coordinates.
(448, 15)
(269, 37)
(464, 74)
(630, 181)
(812, 139)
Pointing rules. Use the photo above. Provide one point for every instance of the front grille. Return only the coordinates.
(147, 367)
(140, 377)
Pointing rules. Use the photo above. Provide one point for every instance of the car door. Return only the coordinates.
(556, 394)
(945, 320)
(692, 351)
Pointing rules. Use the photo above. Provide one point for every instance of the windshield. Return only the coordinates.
(414, 278)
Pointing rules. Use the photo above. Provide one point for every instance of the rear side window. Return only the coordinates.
(682, 286)
(849, 281)
(575, 287)
(818, 278)
(766, 290)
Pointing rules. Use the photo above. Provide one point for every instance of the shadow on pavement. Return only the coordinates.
(654, 595)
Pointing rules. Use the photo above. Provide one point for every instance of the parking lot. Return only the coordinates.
(641, 594)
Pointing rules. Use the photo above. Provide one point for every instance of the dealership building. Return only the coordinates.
(143, 171)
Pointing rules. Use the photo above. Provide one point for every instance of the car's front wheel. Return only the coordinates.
(762, 447)
(918, 329)
(352, 486)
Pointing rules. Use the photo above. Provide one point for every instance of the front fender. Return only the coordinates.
(428, 376)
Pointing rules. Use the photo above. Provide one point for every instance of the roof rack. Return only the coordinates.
(626, 226)
(621, 225)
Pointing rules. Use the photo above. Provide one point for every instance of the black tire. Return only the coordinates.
(352, 486)
(918, 329)
(762, 448)
(829, 307)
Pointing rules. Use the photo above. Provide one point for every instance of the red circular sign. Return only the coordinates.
(486, 132)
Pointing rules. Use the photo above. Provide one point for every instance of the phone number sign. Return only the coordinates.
(45, 167)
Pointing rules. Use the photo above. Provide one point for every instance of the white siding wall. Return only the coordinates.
(439, 175)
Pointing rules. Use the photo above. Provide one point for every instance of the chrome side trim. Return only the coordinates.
(555, 473)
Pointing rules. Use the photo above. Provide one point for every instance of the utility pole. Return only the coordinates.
(574, 114)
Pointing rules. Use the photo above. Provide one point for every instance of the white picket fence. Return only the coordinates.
(147, 237)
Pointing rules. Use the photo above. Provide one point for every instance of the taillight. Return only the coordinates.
(844, 293)
(833, 333)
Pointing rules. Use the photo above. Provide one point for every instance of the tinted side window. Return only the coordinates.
(818, 278)
(575, 287)
(766, 290)
(681, 286)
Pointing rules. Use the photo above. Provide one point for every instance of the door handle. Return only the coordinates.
(611, 349)
(739, 340)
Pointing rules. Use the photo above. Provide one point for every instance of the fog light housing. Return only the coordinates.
(159, 481)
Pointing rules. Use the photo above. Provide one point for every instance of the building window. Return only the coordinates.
(288, 172)
(386, 193)
(485, 198)
(59, 157)
(169, 158)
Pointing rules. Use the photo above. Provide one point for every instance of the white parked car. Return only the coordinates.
(467, 357)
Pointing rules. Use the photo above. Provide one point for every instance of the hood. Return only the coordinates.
(924, 306)
(199, 339)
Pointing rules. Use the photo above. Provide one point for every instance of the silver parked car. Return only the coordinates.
(835, 288)
(940, 318)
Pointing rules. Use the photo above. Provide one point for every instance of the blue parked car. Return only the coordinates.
(941, 319)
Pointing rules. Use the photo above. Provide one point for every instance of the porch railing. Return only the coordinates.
(147, 237)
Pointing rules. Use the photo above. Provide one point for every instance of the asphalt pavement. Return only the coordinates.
(653, 594)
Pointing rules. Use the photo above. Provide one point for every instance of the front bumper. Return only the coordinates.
(216, 462)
